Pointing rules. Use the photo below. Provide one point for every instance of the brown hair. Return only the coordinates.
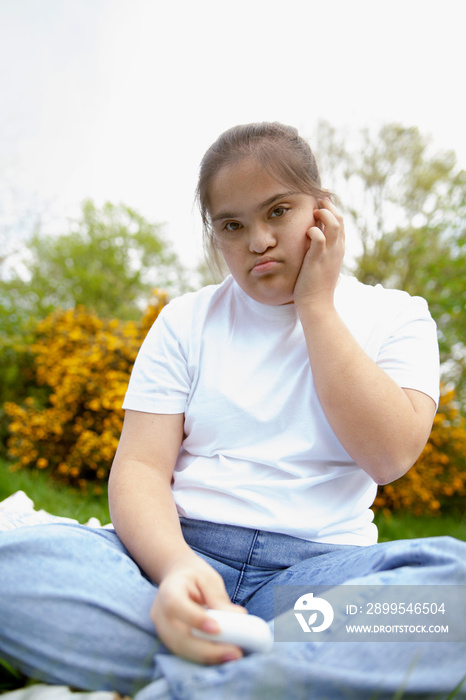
(281, 151)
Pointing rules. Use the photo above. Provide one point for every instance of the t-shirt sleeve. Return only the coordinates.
(160, 381)
(410, 353)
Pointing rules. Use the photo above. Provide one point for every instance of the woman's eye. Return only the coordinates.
(279, 211)
(232, 226)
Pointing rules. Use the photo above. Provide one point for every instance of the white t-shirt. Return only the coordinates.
(258, 450)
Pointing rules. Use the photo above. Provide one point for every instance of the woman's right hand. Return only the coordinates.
(186, 589)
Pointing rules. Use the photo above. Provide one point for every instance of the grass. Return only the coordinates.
(53, 497)
(10, 679)
(406, 526)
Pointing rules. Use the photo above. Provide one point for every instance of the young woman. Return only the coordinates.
(260, 416)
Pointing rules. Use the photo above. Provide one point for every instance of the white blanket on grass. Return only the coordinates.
(18, 511)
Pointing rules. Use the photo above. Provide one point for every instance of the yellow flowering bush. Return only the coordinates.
(84, 362)
(438, 479)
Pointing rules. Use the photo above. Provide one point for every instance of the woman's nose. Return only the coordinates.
(261, 238)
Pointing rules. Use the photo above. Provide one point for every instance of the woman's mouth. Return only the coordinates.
(264, 266)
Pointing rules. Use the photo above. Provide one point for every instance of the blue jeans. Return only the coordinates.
(74, 609)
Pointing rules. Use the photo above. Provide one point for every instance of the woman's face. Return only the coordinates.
(260, 228)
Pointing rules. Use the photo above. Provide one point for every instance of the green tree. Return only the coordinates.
(408, 207)
(108, 261)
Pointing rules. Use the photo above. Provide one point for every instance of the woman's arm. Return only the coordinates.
(382, 426)
(141, 505)
(146, 520)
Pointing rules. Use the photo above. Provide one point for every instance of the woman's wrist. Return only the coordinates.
(180, 560)
(314, 310)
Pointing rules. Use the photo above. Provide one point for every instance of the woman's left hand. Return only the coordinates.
(322, 263)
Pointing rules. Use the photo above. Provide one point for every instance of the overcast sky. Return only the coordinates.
(118, 99)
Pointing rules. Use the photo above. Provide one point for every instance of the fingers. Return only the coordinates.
(180, 605)
(328, 233)
(330, 220)
(216, 598)
(320, 271)
(326, 204)
(177, 635)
